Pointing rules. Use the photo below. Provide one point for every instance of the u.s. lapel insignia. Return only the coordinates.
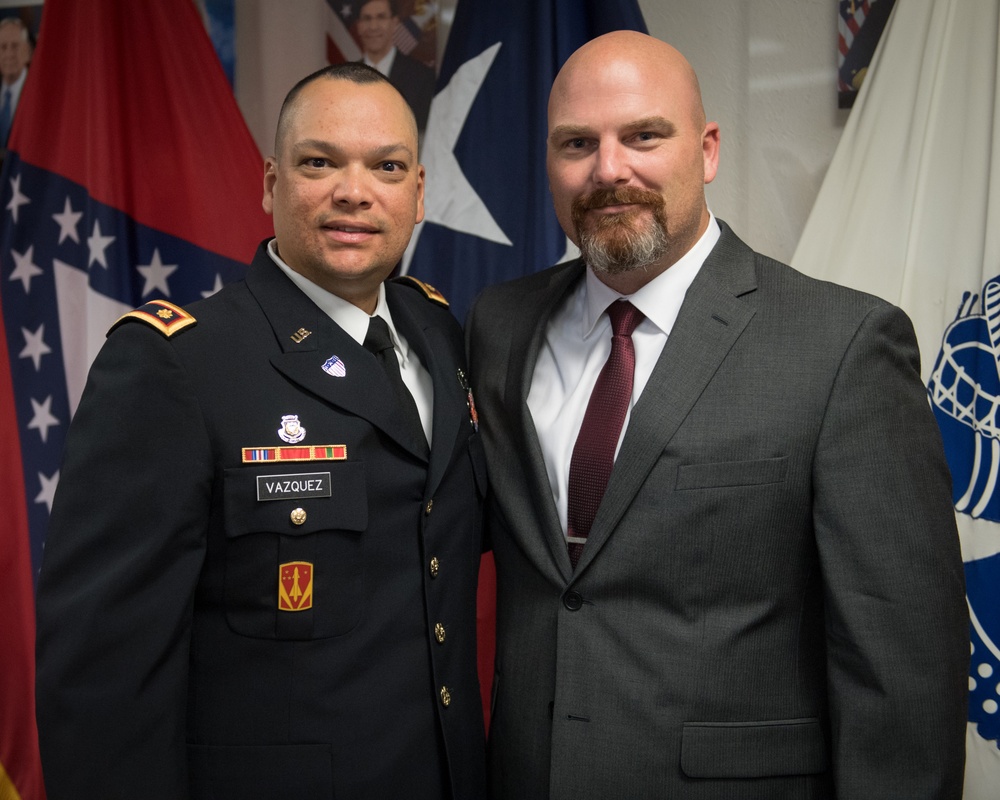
(334, 366)
(291, 429)
(469, 401)
(295, 586)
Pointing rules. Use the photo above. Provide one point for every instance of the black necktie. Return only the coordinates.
(378, 341)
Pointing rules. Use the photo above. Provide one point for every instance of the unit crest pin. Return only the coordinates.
(291, 429)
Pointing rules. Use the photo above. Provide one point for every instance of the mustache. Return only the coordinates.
(623, 195)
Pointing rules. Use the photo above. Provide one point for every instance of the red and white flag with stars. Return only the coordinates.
(130, 176)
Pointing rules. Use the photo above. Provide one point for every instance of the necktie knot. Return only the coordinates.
(378, 337)
(625, 318)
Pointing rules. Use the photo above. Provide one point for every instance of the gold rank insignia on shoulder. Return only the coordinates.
(167, 318)
(295, 586)
(429, 291)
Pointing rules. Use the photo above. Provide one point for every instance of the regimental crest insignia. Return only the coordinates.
(295, 586)
(291, 429)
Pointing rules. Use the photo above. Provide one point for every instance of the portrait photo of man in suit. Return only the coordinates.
(261, 568)
(727, 560)
(377, 23)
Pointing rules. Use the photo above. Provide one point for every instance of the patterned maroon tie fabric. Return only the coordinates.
(594, 451)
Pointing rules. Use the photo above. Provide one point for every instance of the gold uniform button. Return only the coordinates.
(439, 633)
(445, 696)
(429, 507)
(434, 567)
(298, 516)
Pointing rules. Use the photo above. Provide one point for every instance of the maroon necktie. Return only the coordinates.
(594, 451)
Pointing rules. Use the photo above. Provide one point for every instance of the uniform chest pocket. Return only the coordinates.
(295, 549)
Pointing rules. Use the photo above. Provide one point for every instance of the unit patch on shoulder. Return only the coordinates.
(167, 318)
(429, 291)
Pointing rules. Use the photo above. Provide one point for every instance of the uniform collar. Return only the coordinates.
(352, 320)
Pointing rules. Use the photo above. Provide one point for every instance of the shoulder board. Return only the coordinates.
(167, 318)
(429, 291)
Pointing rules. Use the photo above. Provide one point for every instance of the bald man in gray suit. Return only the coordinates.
(726, 552)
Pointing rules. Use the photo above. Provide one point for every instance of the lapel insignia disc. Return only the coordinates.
(334, 366)
(295, 586)
(316, 452)
(291, 429)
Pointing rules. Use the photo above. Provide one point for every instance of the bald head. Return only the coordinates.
(629, 154)
(626, 57)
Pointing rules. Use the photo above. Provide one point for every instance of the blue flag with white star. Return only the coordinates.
(129, 178)
(488, 212)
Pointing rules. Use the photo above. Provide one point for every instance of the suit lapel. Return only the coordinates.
(437, 354)
(308, 338)
(526, 343)
(710, 322)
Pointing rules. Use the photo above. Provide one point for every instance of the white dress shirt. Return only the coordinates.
(354, 322)
(578, 342)
(15, 90)
(385, 65)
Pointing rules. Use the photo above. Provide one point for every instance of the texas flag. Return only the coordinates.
(130, 176)
(488, 212)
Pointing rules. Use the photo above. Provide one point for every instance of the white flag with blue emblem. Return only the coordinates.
(910, 211)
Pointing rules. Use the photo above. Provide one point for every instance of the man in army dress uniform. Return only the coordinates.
(260, 574)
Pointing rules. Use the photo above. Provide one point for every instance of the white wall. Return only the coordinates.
(768, 76)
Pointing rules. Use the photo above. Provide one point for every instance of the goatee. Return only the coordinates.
(617, 243)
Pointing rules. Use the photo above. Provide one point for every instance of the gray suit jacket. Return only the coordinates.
(771, 601)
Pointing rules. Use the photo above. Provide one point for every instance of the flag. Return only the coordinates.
(910, 211)
(130, 176)
(20, 769)
(859, 27)
(488, 212)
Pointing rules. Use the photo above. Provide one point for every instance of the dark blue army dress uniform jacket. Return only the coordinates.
(220, 620)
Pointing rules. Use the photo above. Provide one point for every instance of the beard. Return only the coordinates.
(619, 243)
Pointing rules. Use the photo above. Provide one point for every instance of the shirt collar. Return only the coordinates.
(659, 300)
(385, 65)
(17, 84)
(348, 316)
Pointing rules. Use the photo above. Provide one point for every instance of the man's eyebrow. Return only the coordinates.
(654, 123)
(569, 132)
(385, 151)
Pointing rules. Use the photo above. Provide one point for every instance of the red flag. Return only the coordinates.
(20, 769)
(130, 176)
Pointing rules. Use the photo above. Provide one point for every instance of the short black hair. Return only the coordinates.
(353, 71)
